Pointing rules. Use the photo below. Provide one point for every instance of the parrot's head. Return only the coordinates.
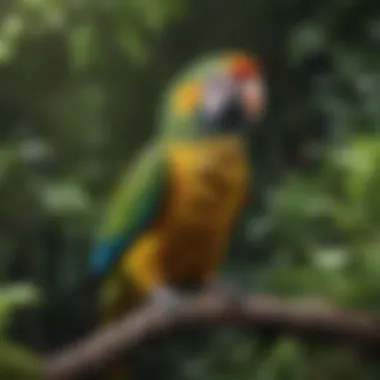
(223, 93)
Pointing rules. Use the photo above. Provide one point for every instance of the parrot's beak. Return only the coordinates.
(253, 98)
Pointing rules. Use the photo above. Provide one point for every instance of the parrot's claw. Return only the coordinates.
(167, 298)
(230, 291)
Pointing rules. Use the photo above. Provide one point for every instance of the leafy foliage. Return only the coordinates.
(16, 362)
(80, 85)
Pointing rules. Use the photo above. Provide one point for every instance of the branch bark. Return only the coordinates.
(311, 320)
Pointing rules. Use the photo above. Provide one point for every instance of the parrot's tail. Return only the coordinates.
(112, 306)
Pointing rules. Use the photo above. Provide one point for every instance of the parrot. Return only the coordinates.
(169, 221)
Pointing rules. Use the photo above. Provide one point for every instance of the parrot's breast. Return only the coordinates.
(208, 182)
(207, 190)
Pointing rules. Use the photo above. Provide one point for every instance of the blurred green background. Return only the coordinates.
(81, 81)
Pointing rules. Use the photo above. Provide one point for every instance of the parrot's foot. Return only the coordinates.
(167, 298)
(229, 290)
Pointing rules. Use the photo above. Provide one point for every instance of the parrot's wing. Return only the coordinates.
(134, 208)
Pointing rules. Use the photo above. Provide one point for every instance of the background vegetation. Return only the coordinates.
(80, 83)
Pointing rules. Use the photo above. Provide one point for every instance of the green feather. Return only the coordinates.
(133, 208)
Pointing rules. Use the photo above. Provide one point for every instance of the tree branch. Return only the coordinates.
(313, 320)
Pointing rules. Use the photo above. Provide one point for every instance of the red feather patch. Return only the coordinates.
(244, 67)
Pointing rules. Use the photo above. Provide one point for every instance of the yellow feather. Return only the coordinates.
(186, 98)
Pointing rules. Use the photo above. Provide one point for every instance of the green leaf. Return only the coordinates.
(306, 38)
(82, 45)
(13, 296)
